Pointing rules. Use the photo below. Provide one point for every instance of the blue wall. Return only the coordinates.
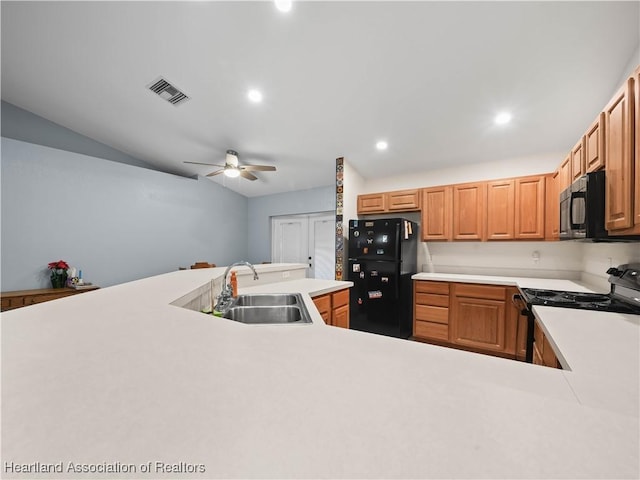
(22, 125)
(261, 209)
(116, 222)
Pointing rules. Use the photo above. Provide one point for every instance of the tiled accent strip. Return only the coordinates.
(339, 204)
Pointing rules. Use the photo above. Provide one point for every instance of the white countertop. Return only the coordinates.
(119, 375)
(524, 282)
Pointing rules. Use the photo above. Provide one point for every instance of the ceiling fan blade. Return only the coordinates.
(217, 172)
(247, 175)
(263, 168)
(210, 164)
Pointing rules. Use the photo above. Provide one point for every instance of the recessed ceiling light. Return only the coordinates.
(382, 145)
(255, 96)
(502, 118)
(283, 5)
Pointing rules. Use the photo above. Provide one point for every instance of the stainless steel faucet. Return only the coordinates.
(223, 301)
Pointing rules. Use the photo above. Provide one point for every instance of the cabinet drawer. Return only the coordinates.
(432, 314)
(432, 299)
(341, 298)
(441, 288)
(405, 200)
(431, 330)
(323, 304)
(12, 302)
(31, 299)
(480, 291)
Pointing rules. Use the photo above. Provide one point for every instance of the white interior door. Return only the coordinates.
(305, 239)
(322, 250)
(291, 239)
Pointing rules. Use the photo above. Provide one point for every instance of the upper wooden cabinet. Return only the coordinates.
(577, 160)
(619, 152)
(625, 171)
(436, 213)
(594, 145)
(564, 178)
(500, 209)
(468, 211)
(552, 206)
(530, 203)
(372, 203)
(636, 162)
(397, 201)
(404, 200)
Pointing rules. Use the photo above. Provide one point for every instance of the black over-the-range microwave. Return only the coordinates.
(582, 210)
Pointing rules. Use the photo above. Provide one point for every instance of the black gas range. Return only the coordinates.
(580, 300)
(624, 297)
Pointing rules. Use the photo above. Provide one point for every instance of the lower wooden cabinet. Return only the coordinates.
(476, 317)
(334, 308)
(23, 298)
(543, 353)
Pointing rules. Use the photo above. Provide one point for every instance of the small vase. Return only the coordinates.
(58, 280)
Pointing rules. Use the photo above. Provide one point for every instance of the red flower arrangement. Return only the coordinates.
(59, 265)
(58, 273)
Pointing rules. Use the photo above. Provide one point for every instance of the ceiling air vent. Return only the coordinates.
(167, 91)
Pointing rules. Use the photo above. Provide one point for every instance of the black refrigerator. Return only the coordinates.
(382, 259)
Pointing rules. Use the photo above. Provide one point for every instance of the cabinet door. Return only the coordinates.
(500, 209)
(404, 201)
(529, 218)
(619, 154)
(372, 203)
(565, 174)
(468, 211)
(594, 145)
(634, 173)
(323, 304)
(636, 139)
(341, 317)
(478, 323)
(552, 207)
(577, 160)
(436, 213)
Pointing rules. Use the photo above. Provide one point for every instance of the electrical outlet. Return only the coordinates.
(535, 256)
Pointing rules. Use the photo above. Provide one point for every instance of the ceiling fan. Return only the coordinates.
(232, 169)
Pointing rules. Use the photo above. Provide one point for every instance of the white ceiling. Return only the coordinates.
(428, 77)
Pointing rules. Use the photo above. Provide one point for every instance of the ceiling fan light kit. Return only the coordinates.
(233, 169)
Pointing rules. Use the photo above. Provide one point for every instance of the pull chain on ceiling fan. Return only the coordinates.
(232, 168)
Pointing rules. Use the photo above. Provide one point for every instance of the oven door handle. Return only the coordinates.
(518, 301)
(574, 195)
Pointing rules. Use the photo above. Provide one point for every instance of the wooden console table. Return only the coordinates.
(22, 298)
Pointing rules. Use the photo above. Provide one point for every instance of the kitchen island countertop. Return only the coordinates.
(120, 375)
